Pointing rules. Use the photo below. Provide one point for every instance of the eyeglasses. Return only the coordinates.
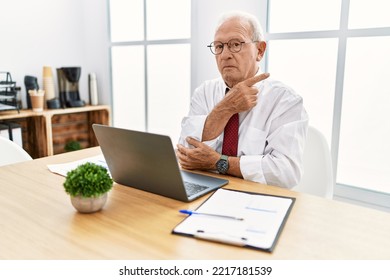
(234, 46)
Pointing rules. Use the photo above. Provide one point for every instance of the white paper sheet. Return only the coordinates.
(64, 168)
(262, 215)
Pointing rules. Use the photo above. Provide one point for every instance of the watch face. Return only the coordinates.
(222, 166)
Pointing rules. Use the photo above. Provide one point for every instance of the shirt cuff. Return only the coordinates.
(251, 168)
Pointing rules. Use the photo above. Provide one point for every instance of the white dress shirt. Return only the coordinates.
(271, 135)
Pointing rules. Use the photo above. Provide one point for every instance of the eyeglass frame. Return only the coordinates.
(227, 43)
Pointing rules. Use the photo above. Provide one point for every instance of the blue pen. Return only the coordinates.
(189, 212)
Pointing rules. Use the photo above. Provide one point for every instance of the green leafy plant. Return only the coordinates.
(72, 146)
(88, 180)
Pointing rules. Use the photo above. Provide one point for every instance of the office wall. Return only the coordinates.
(56, 33)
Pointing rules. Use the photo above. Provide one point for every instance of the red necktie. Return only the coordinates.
(230, 137)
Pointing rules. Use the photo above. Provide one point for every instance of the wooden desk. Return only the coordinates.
(37, 221)
(39, 142)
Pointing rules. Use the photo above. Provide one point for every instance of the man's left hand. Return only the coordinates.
(200, 157)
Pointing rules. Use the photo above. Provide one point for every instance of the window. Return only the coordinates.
(124, 17)
(128, 82)
(169, 19)
(374, 13)
(365, 133)
(335, 54)
(150, 63)
(303, 15)
(168, 88)
(316, 87)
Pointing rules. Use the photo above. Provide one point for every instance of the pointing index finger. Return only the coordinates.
(251, 81)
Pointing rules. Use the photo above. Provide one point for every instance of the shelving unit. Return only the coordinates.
(46, 133)
(8, 93)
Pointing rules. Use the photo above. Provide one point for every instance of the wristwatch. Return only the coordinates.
(222, 164)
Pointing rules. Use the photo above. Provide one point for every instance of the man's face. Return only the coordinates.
(237, 67)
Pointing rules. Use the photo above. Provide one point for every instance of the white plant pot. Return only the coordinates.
(88, 204)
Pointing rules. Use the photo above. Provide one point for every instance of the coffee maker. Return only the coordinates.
(68, 84)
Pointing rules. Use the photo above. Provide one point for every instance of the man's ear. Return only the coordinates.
(261, 47)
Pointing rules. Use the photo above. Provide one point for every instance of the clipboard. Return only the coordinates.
(244, 219)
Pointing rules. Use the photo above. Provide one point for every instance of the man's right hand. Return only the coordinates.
(243, 96)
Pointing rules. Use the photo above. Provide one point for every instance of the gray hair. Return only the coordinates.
(253, 22)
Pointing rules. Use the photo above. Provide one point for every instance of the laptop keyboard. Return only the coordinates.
(192, 188)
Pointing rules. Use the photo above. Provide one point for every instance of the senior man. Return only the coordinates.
(244, 123)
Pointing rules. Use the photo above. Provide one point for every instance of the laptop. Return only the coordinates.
(147, 161)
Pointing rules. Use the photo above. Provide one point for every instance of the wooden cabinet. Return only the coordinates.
(46, 133)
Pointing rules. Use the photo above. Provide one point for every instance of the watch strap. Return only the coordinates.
(224, 157)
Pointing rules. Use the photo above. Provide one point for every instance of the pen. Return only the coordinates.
(189, 212)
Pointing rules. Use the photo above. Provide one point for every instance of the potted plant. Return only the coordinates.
(72, 146)
(88, 185)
